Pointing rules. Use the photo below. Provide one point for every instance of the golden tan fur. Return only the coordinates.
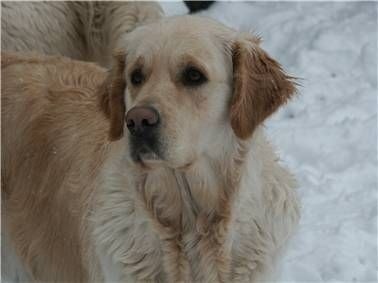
(50, 122)
(215, 207)
(256, 73)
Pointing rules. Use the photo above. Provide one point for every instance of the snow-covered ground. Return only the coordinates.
(328, 134)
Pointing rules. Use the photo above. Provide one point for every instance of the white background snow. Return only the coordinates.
(328, 134)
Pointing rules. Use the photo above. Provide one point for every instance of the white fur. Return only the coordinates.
(12, 270)
(265, 213)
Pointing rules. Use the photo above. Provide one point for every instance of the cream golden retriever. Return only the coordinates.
(83, 30)
(156, 171)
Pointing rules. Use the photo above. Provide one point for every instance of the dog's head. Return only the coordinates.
(186, 83)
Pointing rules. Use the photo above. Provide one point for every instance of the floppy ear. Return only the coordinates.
(113, 102)
(260, 86)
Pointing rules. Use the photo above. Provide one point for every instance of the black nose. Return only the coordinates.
(142, 120)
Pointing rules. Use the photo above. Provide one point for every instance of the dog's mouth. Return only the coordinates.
(145, 154)
(151, 154)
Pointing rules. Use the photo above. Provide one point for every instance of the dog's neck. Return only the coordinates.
(194, 208)
(185, 215)
(170, 225)
(202, 188)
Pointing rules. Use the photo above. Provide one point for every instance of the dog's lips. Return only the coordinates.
(186, 166)
(147, 158)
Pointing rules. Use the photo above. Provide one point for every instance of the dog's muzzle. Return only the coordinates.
(143, 123)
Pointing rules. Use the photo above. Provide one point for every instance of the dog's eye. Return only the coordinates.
(193, 77)
(137, 77)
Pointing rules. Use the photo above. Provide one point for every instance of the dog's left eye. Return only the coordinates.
(137, 77)
(193, 77)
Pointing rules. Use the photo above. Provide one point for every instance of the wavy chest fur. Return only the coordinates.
(197, 226)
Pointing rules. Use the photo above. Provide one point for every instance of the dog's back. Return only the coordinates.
(46, 27)
(51, 110)
(82, 30)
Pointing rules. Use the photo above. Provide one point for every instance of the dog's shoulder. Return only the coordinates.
(35, 84)
(52, 96)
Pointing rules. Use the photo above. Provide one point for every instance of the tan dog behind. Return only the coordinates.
(51, 124)
(158, 171)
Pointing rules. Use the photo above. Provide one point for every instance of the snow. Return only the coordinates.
(327, 135)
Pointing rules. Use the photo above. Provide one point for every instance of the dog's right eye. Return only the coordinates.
(137, 77)
(193, 77)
